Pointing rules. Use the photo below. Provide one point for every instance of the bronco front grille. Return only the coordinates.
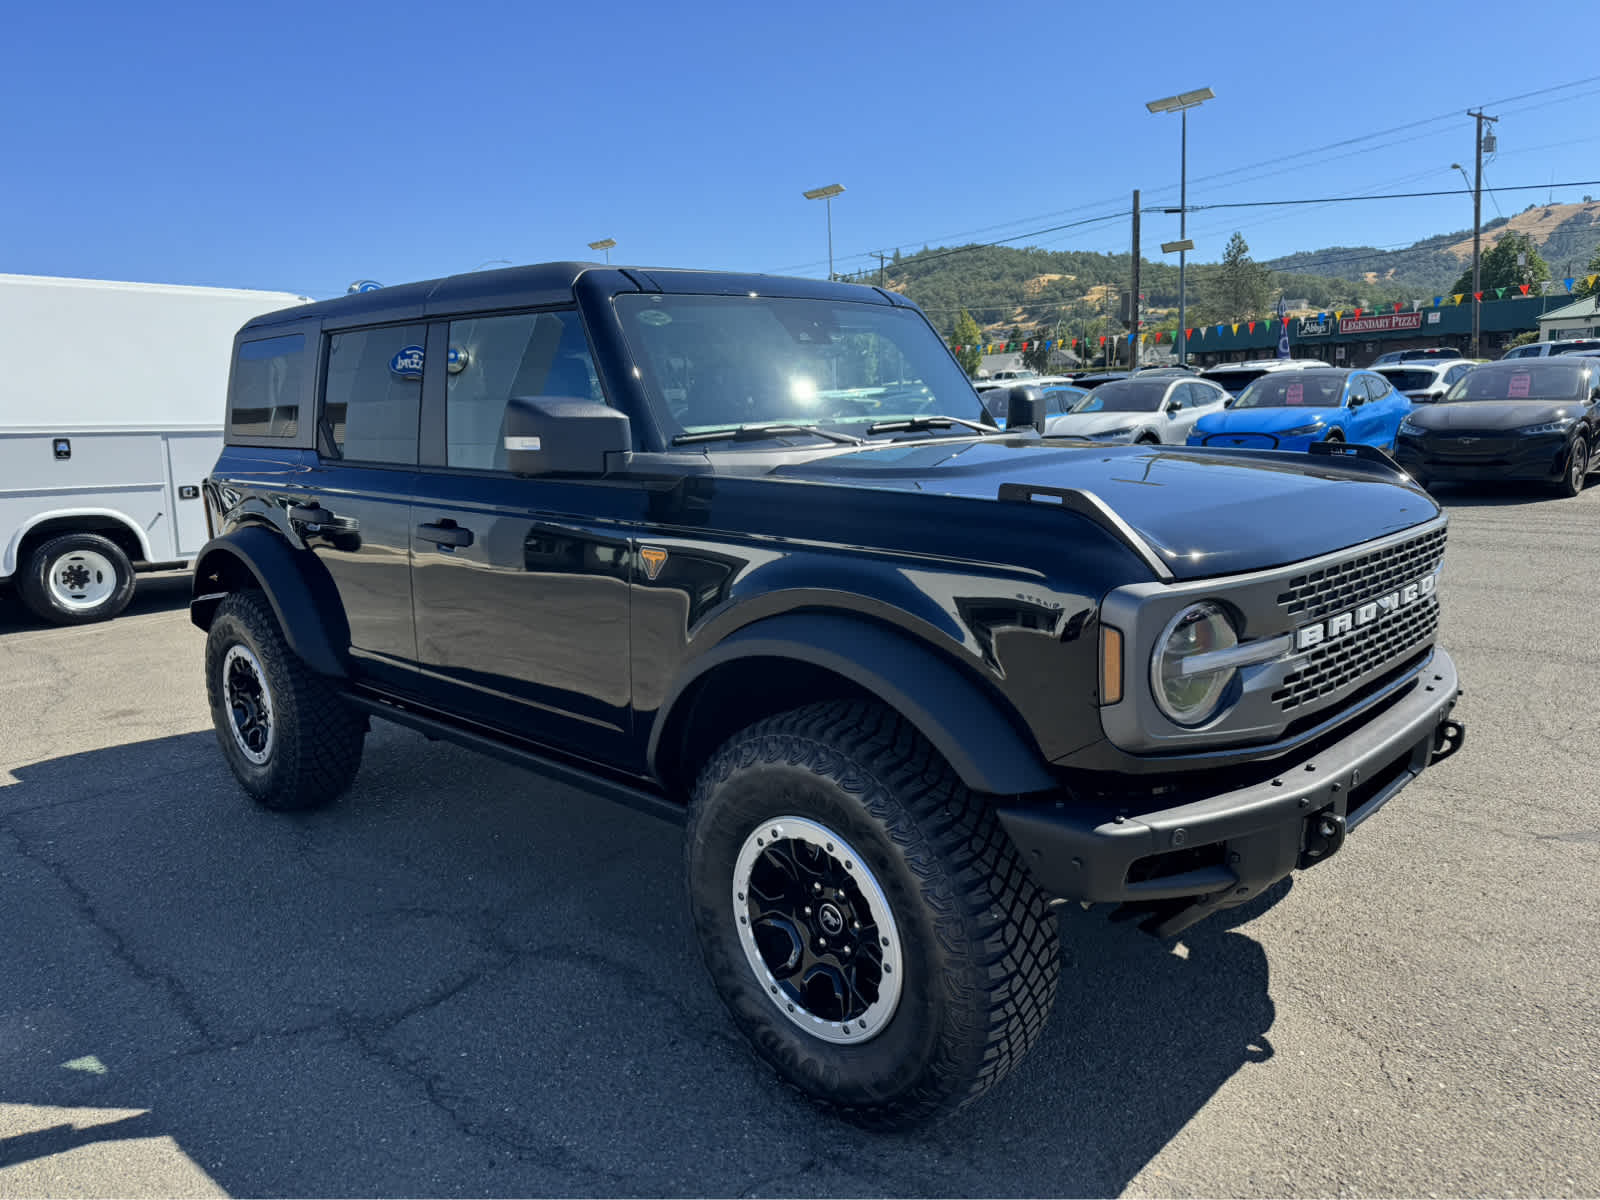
(1316, 594)
(1335, 665)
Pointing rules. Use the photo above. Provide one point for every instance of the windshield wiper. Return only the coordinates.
(917, 424)
(754, 433)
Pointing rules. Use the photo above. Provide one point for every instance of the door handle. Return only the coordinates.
(313, 514)
(445, 533)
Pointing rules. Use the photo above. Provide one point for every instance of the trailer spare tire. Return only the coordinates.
(77, 578)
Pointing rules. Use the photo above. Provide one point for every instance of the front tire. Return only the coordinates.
(291, 739)
(77, 578)
(1577, 468)
(838, 820)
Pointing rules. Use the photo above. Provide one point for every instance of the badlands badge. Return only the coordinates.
(654, 558)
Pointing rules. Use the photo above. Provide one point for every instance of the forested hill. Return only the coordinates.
(1005, 287)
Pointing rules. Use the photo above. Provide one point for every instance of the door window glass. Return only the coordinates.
(373, 393)
(493, 359)
(267, 378)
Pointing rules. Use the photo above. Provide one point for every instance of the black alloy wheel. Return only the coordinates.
(1577, 468)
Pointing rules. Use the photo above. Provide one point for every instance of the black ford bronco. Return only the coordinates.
(747, 551)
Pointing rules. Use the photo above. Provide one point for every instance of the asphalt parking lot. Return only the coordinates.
(466, 981)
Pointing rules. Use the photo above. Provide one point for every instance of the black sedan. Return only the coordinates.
(1514, 419)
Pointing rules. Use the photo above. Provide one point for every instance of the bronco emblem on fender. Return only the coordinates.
(654, 557)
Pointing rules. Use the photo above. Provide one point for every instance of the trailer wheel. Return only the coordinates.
(77, 578)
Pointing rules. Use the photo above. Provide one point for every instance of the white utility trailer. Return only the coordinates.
(111, 402)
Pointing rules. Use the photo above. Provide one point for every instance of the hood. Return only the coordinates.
(1265, 420)
(1204, 512)
(1492, 415)
(1089, 424)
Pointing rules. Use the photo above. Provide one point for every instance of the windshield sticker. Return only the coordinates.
(1518, 388)
(1296, 394)
(654, 316)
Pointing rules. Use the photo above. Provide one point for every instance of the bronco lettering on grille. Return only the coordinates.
(1341, 624)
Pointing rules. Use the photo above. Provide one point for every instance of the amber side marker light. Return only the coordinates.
(1110, 665)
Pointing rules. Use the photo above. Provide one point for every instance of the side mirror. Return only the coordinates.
(1024, 407)
(1174, 405)
(549, 435)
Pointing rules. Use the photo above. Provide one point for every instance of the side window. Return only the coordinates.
(373, 393)
(267, 379)
(1378, 387)
(493, 359)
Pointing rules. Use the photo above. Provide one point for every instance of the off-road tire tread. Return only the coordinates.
(319, 736)
(995, 926)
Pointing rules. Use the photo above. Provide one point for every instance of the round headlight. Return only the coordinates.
(1188, 696)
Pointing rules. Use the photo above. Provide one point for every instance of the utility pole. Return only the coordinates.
(1477, 224)
(1133, 301)
(881, 256)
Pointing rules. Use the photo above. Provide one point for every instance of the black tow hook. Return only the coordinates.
(1447, 739)
(1324, 835)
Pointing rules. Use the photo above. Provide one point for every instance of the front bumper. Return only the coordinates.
(1181, 864)
(1484, 458)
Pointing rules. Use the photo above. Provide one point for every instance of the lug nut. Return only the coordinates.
(816, 888)
(808, 910)
(822, 941)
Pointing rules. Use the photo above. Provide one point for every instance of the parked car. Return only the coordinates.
(1145, 409)
(1533, 420)
(1425, 382)
(1233, 378)
(1546, 349)
(1287, 410)
(1093, 379)
(728, 548)
(1058, 398)
(1419, 354)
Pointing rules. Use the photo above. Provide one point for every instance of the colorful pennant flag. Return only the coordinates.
(1397, 306)
(1478, 296)
(1102, 339)
(1590, 280)
(1338, 314)
(1415, 305)
(1458, 297)
(1500, 293)
(1252, 327)
(1236, 329)
(1438, 300)
(1524, 288)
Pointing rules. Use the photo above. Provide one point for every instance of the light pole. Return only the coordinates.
(604, 244)
(827, 194)
(1181, 104)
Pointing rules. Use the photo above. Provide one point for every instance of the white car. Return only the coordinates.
(1425, 382)
(1233, 378)
(1158, 409)
(1545, 349)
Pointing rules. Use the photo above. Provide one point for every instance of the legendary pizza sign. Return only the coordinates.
(1387, 323)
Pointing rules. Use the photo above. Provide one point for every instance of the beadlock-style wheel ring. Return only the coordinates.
(817, 930)
(249, 702)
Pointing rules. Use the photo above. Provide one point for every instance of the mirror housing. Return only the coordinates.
(1025, 407)
(555, 435)
(1174, 405)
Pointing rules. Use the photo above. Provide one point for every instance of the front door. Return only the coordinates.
(521, 585)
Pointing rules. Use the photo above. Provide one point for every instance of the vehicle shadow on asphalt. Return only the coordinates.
(1494, 495)
(151, 594)
(462, 980)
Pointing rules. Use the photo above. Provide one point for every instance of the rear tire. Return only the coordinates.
(945, 955)
(77, 578)
(291, 739)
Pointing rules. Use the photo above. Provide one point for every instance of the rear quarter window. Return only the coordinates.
(269, 376)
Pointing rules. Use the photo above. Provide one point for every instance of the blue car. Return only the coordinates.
(1288, 410)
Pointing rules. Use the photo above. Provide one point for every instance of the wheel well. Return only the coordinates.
(735, 695)
(107, 527)
(224, 572)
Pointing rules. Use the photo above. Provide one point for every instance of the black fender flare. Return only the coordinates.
(316, 631)
(965, 721)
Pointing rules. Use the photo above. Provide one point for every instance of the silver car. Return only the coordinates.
(1159, 409)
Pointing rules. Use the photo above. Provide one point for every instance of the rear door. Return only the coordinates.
(521, 584)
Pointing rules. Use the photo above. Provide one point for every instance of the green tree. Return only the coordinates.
(967, 335)
(1243, 285)
(1036, 357)
(1581, 289)
(1499, 267)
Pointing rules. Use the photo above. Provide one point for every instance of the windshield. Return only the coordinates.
(1233, 382)
(1294, 389)
(1125, 395)
(713, 362)
(1410, 380)
(1527, 379)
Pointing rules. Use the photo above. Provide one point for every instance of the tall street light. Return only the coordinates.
(827, 194)
(1181, 104)
(604, 244)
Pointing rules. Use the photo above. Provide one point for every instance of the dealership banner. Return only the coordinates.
(1384, 323)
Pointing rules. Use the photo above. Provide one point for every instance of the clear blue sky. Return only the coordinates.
(301, 146)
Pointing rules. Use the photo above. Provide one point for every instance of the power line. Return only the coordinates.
(1524, 187)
